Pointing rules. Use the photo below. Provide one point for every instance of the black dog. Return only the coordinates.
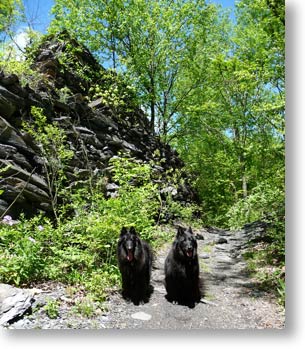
(135, 262)
(182, 281)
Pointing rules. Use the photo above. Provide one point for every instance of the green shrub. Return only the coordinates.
(52, 308)
(52, 142)
(115, 91)
(266, 203)
(12, 61)
(24, 249)
(85, 307)
(80, 249)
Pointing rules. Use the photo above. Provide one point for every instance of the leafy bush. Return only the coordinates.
(114, 92)
(12, 61)
(81, 250)
(54, 150)
(266, 203)
(85, 307)
(24, 249)
(270, 277)
(87, 253)
(52, 308)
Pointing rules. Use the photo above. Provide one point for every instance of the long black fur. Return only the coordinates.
(182, 275)
(135, 263)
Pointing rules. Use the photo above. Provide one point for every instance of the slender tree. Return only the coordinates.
(152, 41)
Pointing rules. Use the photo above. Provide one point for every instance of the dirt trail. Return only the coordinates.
(232, 300)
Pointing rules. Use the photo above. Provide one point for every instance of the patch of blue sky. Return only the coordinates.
(228, 5)
(38, 14)
(37, 17)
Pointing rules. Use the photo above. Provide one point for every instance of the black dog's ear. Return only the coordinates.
(190, 230)
(132, 230)
(180, 231)
(123, 231)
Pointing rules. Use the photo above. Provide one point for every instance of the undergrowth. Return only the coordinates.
(266, 203)
(80, 248)
(269, 272)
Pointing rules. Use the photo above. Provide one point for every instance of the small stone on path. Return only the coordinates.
(141, 316)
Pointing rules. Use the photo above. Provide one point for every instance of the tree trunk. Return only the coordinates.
(152, 117)
(152, 104)
(242, 162)
(244, 186)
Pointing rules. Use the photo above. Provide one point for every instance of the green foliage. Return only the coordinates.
(11, 12)
(64, 93)
(108, 276)
(137, 201)
(12, 56)
(24, 249)
(114, 92)
(69, 60)
(281, 289)
(52, 308)
(85, 307)
(151, 41)
(231, 131)
(82, 250)
(266, 203)
(54, 150)
(268, 272)
(183, 212)
(11, 64)
(1, 171)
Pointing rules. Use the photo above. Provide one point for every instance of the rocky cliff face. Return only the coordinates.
(96, 130)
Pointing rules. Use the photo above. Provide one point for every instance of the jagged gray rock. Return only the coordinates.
(9, 102)
(14, 302)
(95, 133)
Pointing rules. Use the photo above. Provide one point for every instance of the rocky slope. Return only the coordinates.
(65, 84)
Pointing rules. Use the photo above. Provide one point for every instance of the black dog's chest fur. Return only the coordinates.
(184, 269)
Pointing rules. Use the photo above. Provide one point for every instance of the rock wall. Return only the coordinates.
(95, 132)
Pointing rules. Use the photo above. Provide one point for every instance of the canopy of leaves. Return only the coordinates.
(231, 129)
(150, 40)
(10, 12)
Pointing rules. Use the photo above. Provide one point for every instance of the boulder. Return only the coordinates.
(9, 102)
(14, 302)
